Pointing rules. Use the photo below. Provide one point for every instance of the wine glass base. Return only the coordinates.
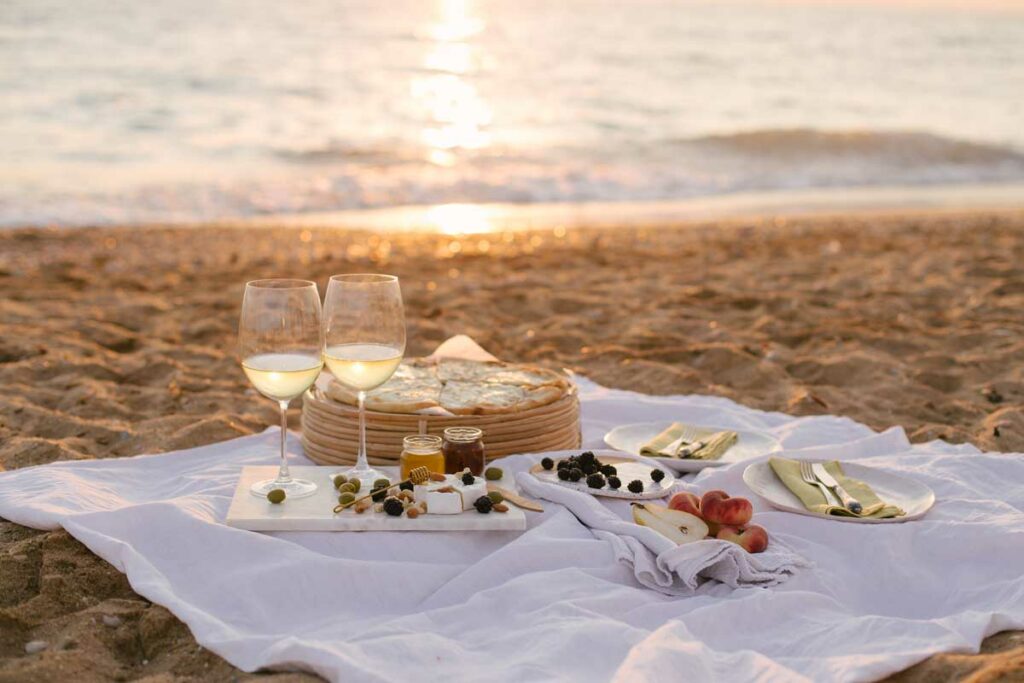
(365, 476)
(294, 488)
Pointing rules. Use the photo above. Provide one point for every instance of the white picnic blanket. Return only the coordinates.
(658, 562)
(553, 603)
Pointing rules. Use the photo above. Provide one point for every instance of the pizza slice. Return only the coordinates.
(468, 398)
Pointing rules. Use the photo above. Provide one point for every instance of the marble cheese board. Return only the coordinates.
(316, 512)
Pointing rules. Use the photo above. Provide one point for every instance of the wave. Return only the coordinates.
(337, 175)
(335, 151)
(906, 147)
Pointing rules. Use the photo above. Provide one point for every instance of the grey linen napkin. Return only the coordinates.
(660, 564)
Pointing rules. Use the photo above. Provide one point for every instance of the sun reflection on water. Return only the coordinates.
(460, 219)
(456, 114)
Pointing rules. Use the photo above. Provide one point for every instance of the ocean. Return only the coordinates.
(119, 111)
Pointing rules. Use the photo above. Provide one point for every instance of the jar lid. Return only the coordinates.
(422, 443)
(463, 434)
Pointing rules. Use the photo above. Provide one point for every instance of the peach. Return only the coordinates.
(718, 508)
(685, 502)
(753, 538)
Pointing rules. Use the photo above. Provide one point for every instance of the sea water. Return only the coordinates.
(122, 110)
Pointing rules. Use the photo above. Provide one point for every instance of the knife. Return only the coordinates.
(691, 448)
(516, 499)
(849, 502)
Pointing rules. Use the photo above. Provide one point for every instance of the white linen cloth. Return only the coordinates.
(552, 603)
(657, 562)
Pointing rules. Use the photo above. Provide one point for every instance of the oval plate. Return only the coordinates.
(628, 470)
(749, 444)
(914, 497)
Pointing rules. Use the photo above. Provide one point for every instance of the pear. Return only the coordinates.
(675, 525)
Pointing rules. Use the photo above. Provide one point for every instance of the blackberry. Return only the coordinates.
(609, 470)
(393, 506)
(589, 468)
(657, 475)
(575, 474)
(379, 494)
(636, 486)
(547, 463)
(563, 464)
(614, 482)
(483, 505)
(563, 474)
(587, 456)
(468, 478)
(406, 486)
(595, 481)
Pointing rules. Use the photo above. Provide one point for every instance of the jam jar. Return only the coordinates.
(463, 447)
(421, 450)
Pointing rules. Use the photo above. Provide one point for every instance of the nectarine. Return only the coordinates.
(718, 508)
(685, 502)
(753, 538)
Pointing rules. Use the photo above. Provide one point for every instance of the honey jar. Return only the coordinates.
(463, 447)
(421, 450)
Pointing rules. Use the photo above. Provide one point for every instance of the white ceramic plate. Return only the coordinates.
(749, 444)
(914, 497)
(628, 470)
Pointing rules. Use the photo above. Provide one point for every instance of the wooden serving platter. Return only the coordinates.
(330, 429)
(316, 512)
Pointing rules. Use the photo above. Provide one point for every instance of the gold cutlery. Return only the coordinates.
(516, 499)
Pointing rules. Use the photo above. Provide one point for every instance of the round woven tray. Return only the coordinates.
(330, 429)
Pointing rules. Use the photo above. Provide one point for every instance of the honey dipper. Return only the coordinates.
(417, 475)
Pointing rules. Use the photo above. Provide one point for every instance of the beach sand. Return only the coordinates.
(116, 342)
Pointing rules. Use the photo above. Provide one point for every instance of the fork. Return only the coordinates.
(807, 474)
(688, 436)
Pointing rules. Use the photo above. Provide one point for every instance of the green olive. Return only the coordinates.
(493, 473)
(382, 483)
(339, 480)
(346, 498)
(276, 496)
(495, 497)
(347, 487)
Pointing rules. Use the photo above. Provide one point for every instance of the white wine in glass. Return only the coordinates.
(364, 337)
(280, 343)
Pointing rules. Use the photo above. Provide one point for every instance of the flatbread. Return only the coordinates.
(541, 396)
(397, 395)
(469, 398)
(462, 387)
(405, 397)
(528, 377)
(456, 370)
(415, 370)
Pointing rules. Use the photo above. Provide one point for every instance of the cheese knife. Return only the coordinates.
(515, 498)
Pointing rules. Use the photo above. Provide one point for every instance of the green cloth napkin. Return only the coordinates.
(788, 472)
(659, 446)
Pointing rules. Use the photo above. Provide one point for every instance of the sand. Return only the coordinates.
(115, 342)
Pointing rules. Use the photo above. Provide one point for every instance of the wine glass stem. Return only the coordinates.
(283, 475)
(361, 463)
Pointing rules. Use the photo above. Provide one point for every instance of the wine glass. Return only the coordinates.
(364, 330)
(280, 343)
